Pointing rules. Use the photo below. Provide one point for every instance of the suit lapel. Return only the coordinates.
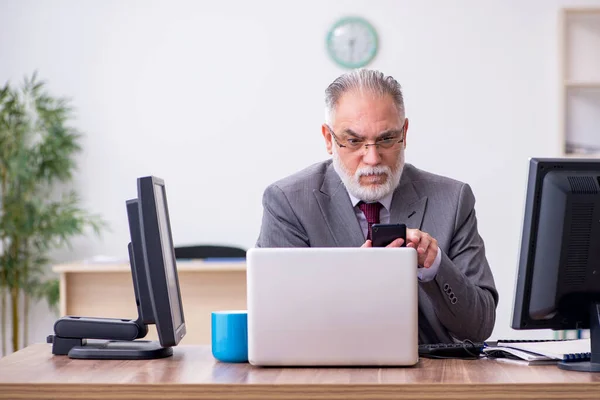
(407, 207)
(337, 211)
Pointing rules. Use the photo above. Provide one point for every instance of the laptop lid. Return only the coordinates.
(332, 306)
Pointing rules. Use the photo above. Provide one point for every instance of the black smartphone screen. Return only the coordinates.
(384, 234)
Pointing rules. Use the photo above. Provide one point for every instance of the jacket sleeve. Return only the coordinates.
(463, 292)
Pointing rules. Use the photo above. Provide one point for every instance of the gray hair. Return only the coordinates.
(362, 80)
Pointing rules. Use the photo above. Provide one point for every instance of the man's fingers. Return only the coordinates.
(396, 243)
(413, 236)
(367, 244)
(431, 255)
(424, 244)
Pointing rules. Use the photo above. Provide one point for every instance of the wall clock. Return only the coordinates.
(352, 42)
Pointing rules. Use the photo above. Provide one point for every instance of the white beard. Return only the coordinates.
(370, 193)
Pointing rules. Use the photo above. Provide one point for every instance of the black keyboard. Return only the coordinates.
(451, 350)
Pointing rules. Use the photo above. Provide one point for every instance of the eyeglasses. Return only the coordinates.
(354, 144)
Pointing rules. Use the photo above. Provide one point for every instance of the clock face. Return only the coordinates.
(352, 42)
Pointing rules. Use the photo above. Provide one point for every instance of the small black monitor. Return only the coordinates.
(138, 264)
(156, 289)
(558, 281)
(159, 256)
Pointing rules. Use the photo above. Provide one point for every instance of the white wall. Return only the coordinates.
(222, 98)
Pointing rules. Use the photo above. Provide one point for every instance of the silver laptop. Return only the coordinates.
(332, 306)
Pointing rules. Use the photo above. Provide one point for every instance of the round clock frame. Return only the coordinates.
(344, 35)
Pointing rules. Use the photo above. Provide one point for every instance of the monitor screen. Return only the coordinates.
(168, 255)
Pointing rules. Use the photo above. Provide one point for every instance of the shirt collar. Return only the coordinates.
(386, 202)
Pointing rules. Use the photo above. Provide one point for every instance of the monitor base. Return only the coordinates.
(581, 366)
(593, 365)
(120, 350)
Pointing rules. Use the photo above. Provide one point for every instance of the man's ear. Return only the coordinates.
(405, 131)
(327, 137)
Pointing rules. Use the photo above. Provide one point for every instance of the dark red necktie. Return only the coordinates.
(371, 211)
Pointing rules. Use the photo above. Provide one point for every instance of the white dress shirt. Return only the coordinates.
(424, 274)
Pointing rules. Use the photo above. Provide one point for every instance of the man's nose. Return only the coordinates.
(371, 155)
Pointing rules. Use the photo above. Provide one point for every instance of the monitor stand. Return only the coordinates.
(104, 339)
(593, 365)
(109, 338)
(120, 350)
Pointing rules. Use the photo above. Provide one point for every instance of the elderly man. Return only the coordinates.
(334, 203)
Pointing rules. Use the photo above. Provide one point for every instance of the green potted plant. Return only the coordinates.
(37, 212)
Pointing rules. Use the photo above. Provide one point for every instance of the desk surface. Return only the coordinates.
(191, 372)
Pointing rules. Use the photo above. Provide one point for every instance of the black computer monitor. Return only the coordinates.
(558, 282)
(156, 290)
(138, 264)
(159, 256)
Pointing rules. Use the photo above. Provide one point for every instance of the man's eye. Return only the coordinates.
(354, 142)
(387, 139)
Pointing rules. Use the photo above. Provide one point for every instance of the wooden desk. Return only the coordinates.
(191, 372)
(106, 290)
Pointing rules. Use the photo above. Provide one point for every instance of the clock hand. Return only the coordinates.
(352, 49)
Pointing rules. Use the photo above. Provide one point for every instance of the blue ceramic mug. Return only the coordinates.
(229, 332)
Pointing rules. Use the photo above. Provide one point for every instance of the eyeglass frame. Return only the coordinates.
(366, 145)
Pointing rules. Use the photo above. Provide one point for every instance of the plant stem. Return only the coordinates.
(3, 264)
(14, 294)
(3, 312)
(25, 318)
(25, 293)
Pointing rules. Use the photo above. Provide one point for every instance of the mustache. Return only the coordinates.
(366, 171)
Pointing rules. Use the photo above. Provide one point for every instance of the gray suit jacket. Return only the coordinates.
(312, 209)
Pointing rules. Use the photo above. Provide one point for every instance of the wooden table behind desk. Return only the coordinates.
(191, 372)
(106, 290)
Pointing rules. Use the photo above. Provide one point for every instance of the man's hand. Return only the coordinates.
(426, 246)
(396, 243)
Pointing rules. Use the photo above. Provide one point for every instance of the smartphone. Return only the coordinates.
(384, 234)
